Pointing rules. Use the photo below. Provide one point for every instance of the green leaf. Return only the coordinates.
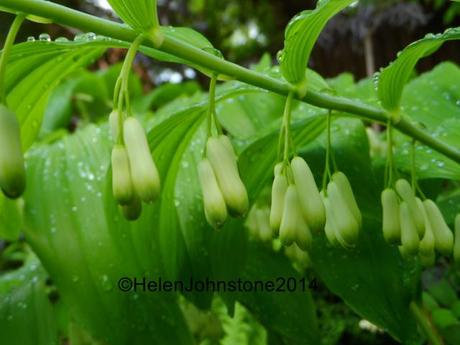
(433, 97)
(141, 15)
(449, 204)
(392, 79)
(34, 70)
(272, 308)
(164, 94)
(428, 163)
(26, 313)
(301, 35)
(87, 247)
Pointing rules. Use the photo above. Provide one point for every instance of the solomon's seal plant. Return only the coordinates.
(367, 221)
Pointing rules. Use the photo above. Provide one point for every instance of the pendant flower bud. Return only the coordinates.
(12, 169)
(144, 173)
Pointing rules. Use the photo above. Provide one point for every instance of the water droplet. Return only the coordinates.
(31, 39)
(44, 37)
(106, 283)
(280, 56)
(61, 39)
(91, 36)
(79, 38)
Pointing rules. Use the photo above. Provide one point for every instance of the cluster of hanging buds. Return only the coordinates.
(12, 170)
(223, 191)
(135, 177)
(296, 208)
(417, 226)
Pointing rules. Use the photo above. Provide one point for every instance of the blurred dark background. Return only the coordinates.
(364, 38)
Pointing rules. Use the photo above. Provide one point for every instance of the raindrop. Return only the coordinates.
(280, 56)
(61, 39)
(44, 37)
(79, 38)
(31, 39)
(91, 36)
(106, 283)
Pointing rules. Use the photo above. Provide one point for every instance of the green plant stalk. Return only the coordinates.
(69, 17)
(287, 126)
(412, 168)
(390, 163)
(122, 85)
(428, 329)
(211, 115)
(6, 52)
(327, 170)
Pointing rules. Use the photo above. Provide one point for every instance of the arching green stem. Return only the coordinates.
(199, 57)
(121, 93)
(327, 170)
(211, 115)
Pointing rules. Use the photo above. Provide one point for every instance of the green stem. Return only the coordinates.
(390, 162)
(212, 107)
(121, 87)
(199, 57)
(412, 168)
(15, 26)
(428, 329)
(287, 126)
(327, 170)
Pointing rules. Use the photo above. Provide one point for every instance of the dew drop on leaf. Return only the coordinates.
(91, 36)
(44, 37)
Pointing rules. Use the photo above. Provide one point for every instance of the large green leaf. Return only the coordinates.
(433, 97)
(301, 35)
(432, 100)
(34, 70)
(429, 163)
(272, 308)
(392, 79)
(26, 313)
(141, 15)
(74, 225)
